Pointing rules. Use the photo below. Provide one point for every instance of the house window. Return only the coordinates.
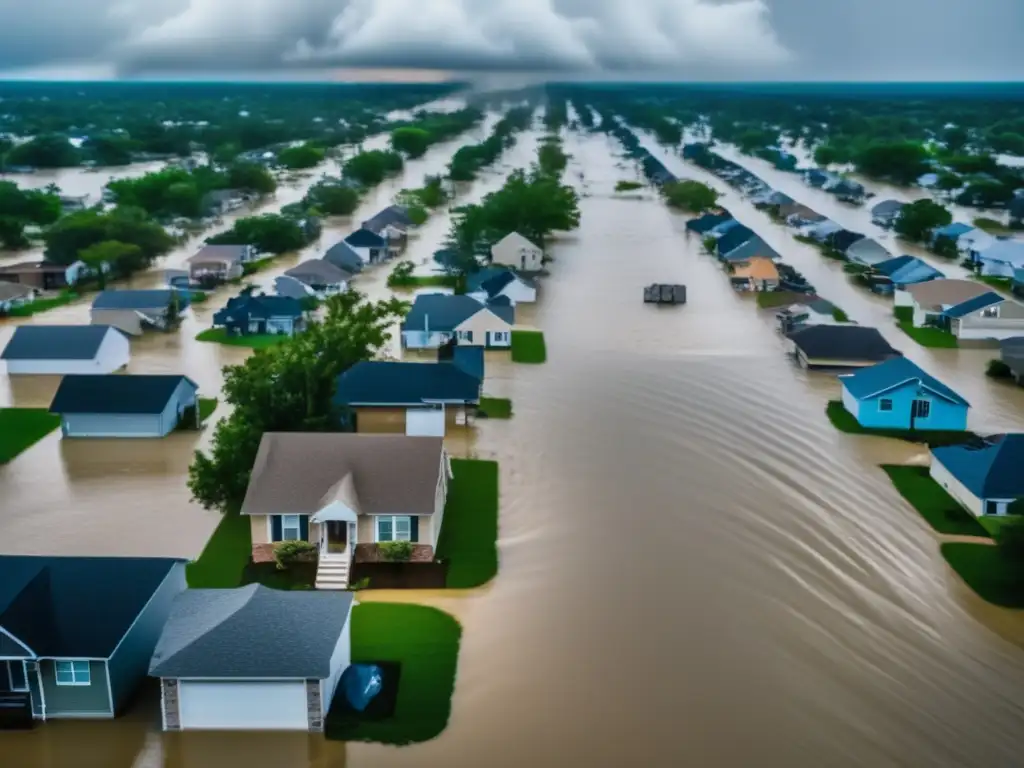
(990, 312)
(885, 404)
(291, 528)
(923, 409)
(394, 529)
(72, 673)
(464, 335)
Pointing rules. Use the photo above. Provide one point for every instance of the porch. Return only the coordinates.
(21, 695)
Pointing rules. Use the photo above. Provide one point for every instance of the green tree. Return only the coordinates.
(109, 150)
(550, 157)
(947, 182)
(410, 141)
(955, 138)
(901, 161)
(946, 247)
(689, 195)
(301, 156)
(985, 194)
(332, 199)
(370, 168)
(49, 150)
(269, 233)
(113, 255)
(917, 220)
(251, 177)
(77, 231)
(287, 388)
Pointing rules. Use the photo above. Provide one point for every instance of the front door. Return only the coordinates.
(919, 409)
(337, 535)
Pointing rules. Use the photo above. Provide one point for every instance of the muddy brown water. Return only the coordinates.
(696, 569)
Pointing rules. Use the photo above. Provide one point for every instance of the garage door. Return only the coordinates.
(424, 422)
(243, 705)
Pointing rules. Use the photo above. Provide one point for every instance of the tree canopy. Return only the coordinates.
(371, 167)
(74, 233)
(917, 220)
(550, 157)
(410, 141)
(268, 233)
(300, 157)
(120, 258)
(472, 157)
(21, 207)
(49, 150)
(332, 198)
(902, 161)
(689, 195)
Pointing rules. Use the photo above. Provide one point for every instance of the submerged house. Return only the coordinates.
(436, 318)
(984, 478)
(897, 394)
(514, 250)
(370, 246)
(757, 274)
(885, 213)
(214, 264)
(344, 257)
(707, 222)
(393, 223)
(493, 282)
(990, 316)
(733, 238)
(43, 275)
(930, 299)
(13, 295)
(1001, 258)
(65, 349)
(133, 311)
(846, 190)
(754, 248)
(897, 273)
(867, 252)
(247, 314)
(839, 346)
(315, 278)
(813, 311)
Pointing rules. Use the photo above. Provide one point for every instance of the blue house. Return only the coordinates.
(901, 271)
(897, 394)
(248, 314)
(952, 231)
(707, 222)
(985, 478)
(733, 239)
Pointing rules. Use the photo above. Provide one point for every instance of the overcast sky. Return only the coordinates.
(676, 39)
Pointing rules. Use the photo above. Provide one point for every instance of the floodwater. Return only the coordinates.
(696, 568)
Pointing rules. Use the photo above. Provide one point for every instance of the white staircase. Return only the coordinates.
(332, 571)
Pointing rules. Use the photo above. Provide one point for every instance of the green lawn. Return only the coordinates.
(926, 337)
(772, 299)
(469, 532)
(225, 557)
(627, 186)
(41, 305)
(528, 347)
(425, 642)
(495, 407)
(844, 421)
(207, 405)
(21, 428)
(999, 283)
(422, 281)
(930, 499)
(988, 571)
(253, 340)
(198, 297)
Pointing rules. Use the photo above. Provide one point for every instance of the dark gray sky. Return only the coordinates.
(678, 39)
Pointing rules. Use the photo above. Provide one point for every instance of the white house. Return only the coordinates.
(988, 316)
(985, 479)
(437, 318)
(315, 278)
(514, 250)
(999, 259)
(930, 299)
(491, 283)
(252, 658)
(64, 349)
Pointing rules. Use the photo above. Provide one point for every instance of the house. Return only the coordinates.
(839, 346)
(954, 232)
(407, 398)
(816, 177)
(467, 359)
(221, 201)
(393, 223)
(897, 394)
(65, 349)
(337, 489)
(999, 259)
(720, 229)
(73, 203)
(841, 241)
(42, 274)
(252, 658)
(15, 295)
(316, 278)
(733, 238)
(974, 239)
(115, 405)
(930, 299)
(491, 282)
(985, 317)
(799, 215)
(771, 198)
(371, 247)
(985, 479)
(885, 213)
(867, 252)
(514, 250)
(436, 318)
(247, 314)
(345, 257)
(213, 264)
(757, 274)
(754, 248)
(822, 231)
(897, 273)
(76, 633)
(132, 311)
(707, 222)
(813, 311)
(845, 190)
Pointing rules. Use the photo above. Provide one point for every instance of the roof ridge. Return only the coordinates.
(220, 617)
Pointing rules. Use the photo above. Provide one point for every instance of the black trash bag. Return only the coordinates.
(361, 683)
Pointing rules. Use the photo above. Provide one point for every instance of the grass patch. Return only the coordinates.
(840, 316)
(988, 571)
(425, 643)
(198, 297)
(207, 405)
(528, 347)
(469, 532)
(252, 267)
(991, 226)
(42, 305)
(935, 338)
(495, 408)
(627, 186)
(772, 299)
(938, 508)
(252, 340)
(844, 421)
(999, 283)
(225, 556)
(21, 428)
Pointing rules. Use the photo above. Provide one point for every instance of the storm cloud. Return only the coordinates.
(688, 39)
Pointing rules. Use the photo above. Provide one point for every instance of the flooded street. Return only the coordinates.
(696, 569)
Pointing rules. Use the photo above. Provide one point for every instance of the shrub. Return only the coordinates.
(997, 369)
(288, 552)
(396, 551)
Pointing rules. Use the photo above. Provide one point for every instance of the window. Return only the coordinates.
(394, 529)
(291, 528)
(885, 404)
(464, 335)
(922, 409)
(990, 311)
(19, 681)
(500, 337)
(72, 673)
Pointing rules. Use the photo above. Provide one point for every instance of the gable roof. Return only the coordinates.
(252, 631)
(516, 240)
(344, 257)
(867, 251)
(759, 268)
(364, 238)
(887, 208)
(991, 470)
(973, 305)
(443, 311)
(77, 607)
(10, 291)
(377, 382)
(952, 231)
(842, 342)
(734, 238)
(891, 374)
(56, 342)
(319, 271)
(261, 306)
(228, 254)
(115, 393)
(707, 222)
(493, 280)
(393, 215)
(1009, 251)
(158, 298)
(301, 472)
(752, 248)
(889, 266)
(947, 292)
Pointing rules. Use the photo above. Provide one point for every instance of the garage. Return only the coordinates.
(424, 422)
(243, 705)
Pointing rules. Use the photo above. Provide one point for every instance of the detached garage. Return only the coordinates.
(252, 658)
(65, 349)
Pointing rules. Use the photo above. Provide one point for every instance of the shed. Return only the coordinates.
(840, 346)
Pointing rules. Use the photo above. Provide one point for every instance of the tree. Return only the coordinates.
(550, 157)
(287, 388)
(901, 161)
(955, 138)
(114, 256)
(947, 182)
(252, 177)
(410, 141)
(301, 156)
(985, 194)
(946, 247)
(268, 233)
(173, 314)
(46, 151)
(78, 231)
(332, 199)
(109, 150)
(370, 168)
(689, 195)
(917, 220)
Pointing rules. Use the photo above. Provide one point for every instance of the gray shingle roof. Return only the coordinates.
(843, 343)
(319, 272)
(10, 291)
(250, 632)
(56, 342)
(132, 299)
(224, 253)
(378, 382)
(342, 255)
(113, 393)
(442, 312)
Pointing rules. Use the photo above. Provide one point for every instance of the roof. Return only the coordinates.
(262, 306)
(823, 228)
(889, 266)
(893, 373)
(319, 271)
(953, 231)
(752, 248)
(842, 342)
(342, 255)
(228, 254)
(27, 267)
(734, 238)
(252, 631)
(516, 239)
(392, 215)
(374, 382)
(442, 312)
(946, 293)
(157, 298)
(989, 471)
(55, 342)
(115, 393)
(1010, 251)
(759, 268)
(469, 359)
(722, 227)
(973, 305)
(887, 208)
(77, 607)
(867, 251)
(10, 291)
(364, 238)
(302, 472)
(492, 280)
(707, 222)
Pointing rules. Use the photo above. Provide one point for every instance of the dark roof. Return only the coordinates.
(843, 239)
(374, 382)
(964, 308)
(894, 373)
(76, 606)
(887, 208)
(33, 267)
(889, 266)
(252, 631)
(341, 255)
(261, 306)
(843, 342)
(469, 359)
(116, 394)
(734, 238)
(393, 214)
(364, 238)
(707, 222)
(991, 470)
(157, 298)
(442, 312)
(226, 253)
(56, 342)
(319, 272)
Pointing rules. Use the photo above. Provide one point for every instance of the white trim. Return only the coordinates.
(163, 706)
(136, 619)
(74, 676)
(110, 690)
(10, 678)
(17, 641)
(298, 527)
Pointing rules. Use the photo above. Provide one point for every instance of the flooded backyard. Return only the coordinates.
(696, 568)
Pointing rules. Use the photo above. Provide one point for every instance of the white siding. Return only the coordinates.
(341, 659)
(956, 489)
(519, 292)
(111, 425)
(902, 298)
(427, 422)
(269, 705)
(919, 316)
(112, 355)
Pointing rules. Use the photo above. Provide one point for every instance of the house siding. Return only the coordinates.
(91, 700)
(902, 298)
(424, 339)
(943, 415)
(129, 664)
(259, 529)
(131, 424)
(1010, 323)
(481, 325)
(127, 320)
(851, 404)
(113, 354)
(955, 488)
(516, 253)
(392, 420)
(341, 659)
